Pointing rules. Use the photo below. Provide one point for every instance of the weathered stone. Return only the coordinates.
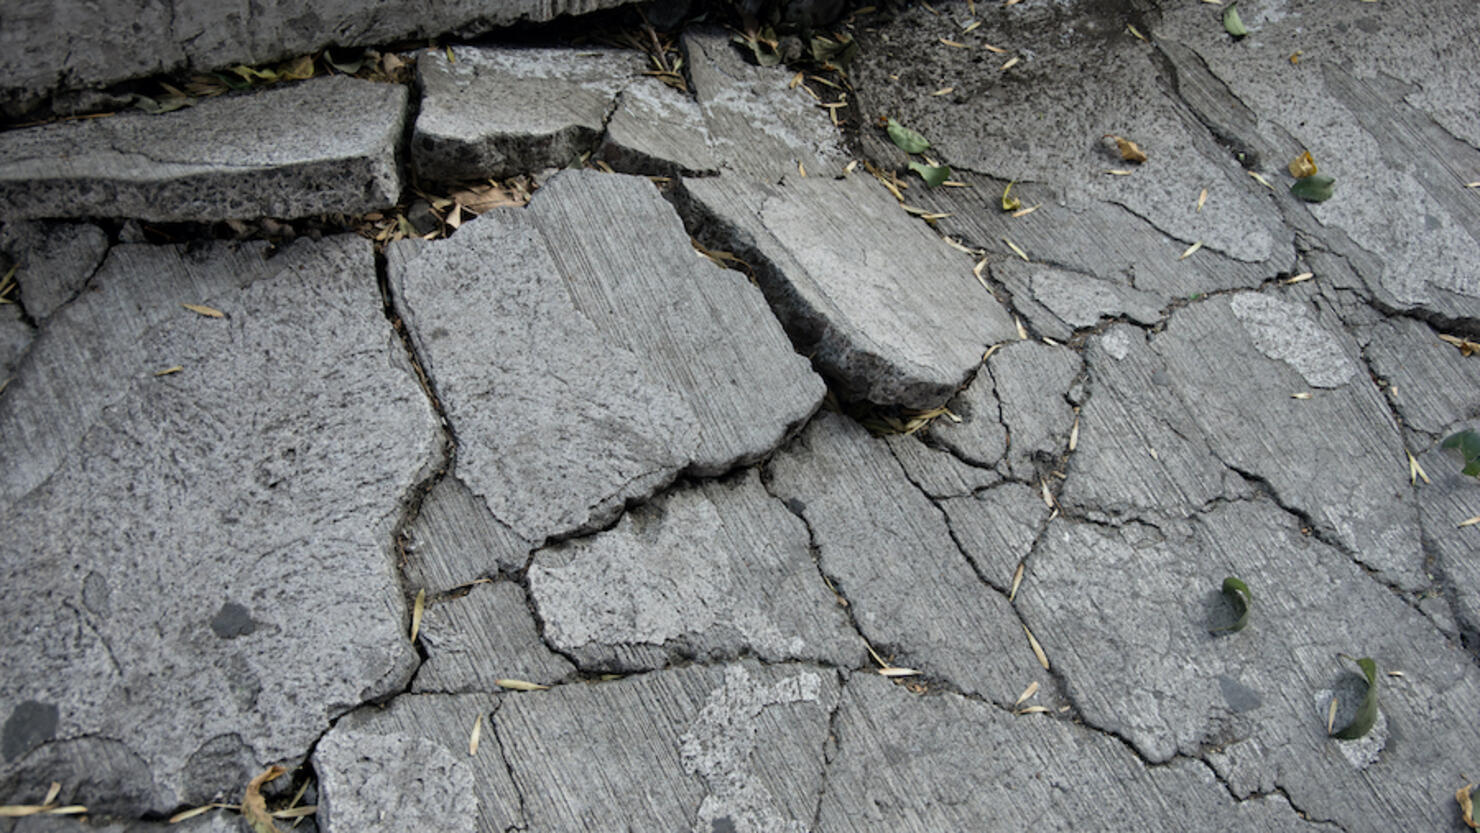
(1058, 303)
(1087, 81)
(911, 763)
(759, 126)
(497, 112)
(53, 261)
(1139, 451)
(675, 365)
(203, 559)
(1388, 127)
(1017, 405)
(446, 720)
(486, 635)
(455, 540)
(325, 145)
(378, 783)
(709, 573)
(737, 748)
(889, 552)
(1126, 614)
(879, 302)
(77, 44)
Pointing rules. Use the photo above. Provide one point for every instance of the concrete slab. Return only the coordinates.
(454, 540)
(708, 573)
(884, 308)
(1430, 383)
(1381, 82)
(380, 783)
(911, 763)
(679, 366)
(937, 472)
(1058, 303)
(323, 145)
(888, 550)
(1134, 648)
(496, 112)
(472, 641)
(202, 560)
(53, 261)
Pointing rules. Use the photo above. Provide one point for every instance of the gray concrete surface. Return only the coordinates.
(664, 562)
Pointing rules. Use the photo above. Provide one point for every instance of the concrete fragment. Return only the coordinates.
(1430, 383)
(378, 783)
(677, 365)
(657, 129)
(1026, 383)
(138, 38)
(487, 635)
(879, 302)
(1127, 612)
(495, 112)
(732, 748)
(1057, 303)
(167, 533)
(889, 552)
(759, 126)
(707, 573)
(323, 145)
(454, 540)
(936, 472)
(446, 721)
(911, 763)
(52, 260)
(997, 527)
(980, 438)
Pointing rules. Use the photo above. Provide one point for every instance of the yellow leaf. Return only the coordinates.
(254, 806)
(1129, 151)
(476, 735)
(1017, 579)
(1009, 202)
(1037, 649)
(298, 69)
(1302, 166)
(1190, 250)
(209, 312)
(1031, 690)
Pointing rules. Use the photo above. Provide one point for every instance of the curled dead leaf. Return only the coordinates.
(1466, 807)
(1129, 151)
(254, 806)
(1302, 166)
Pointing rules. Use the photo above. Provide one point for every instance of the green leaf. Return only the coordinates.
(836, 52)
(1238, 593)
(1232, 22)
(906, 139)
(932, 174)
(1313, 188)
(762, 45)
(1467, 443)
(1367, 712)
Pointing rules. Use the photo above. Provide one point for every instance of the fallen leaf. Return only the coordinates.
(520, 685)
(1467, 444)
(1261, 180)
(1238, 593)
(1009, 202)
(476, 735)
(1037, 649)
(898, 672)
(168, 370)
(1302, 166)
(1466, 808)
(418, 608)
(209, 312)
(932, 174)
(1415, 471)
(1011, 62)
(1137, 32)
(1295, 56)
(1202, 198)
(1020, 253)
(1313, 188)
(1466, 347)
(1232, 22)
(254, 806)
(1031, 690)
(1367, 712)
(1129, 151)
(1303, 276)
(1190, 250)
(1017, 579)
(906, 139)
(298, 69)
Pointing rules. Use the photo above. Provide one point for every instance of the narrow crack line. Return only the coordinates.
(825, 780)
(503, 753)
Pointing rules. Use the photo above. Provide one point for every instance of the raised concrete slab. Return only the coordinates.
(473, 641)
(1126, 613)
(323, 145)
(888, 550)
(946, 762)
(1383, 83)
(53, 261)
(199, 563)
(74, 44)
(707, 573)
(638, 362)
(887, 310)
(495, 112)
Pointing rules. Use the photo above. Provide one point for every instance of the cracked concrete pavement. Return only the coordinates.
(896, 523)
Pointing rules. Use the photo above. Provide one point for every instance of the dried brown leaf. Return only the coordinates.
(201, 309)
(1302, 166)
(254, 806)
(1466, 807)
(1190, 250)
(1129, 151)
(892, 671)
(418, 609)
(520, 685)
(477, 734)
(1037, 649)
(1017, 580)
(1031, 690)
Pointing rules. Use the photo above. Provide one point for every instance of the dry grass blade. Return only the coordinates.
(1117, 172)
(1469, 522)
(169, 370)
(1047, 495)
(7, 285)
(1137, 32)
(254, 806)
(477, 735)
(1303, 276)
(1190, 250)
(52, 792)
(898, 672)
(418, 608)
(994, 49)
(1032, 710)
(1331, 716)
(201, 309)
(197, 811)
(1022, 332)
(1023, 212)
(944, 91)
(1074, 435)
(1465, 346)
(1037, 649)
(296, 812)
(520, 685)
(1415, 471)
(1011, 62)
(1261, 180)
(1202, 199)
(1019, 252)
(951, 43)
(1017, 580)
(1301, 395)
(1031, 690)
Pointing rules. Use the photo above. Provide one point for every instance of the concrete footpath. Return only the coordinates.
(670, 456)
